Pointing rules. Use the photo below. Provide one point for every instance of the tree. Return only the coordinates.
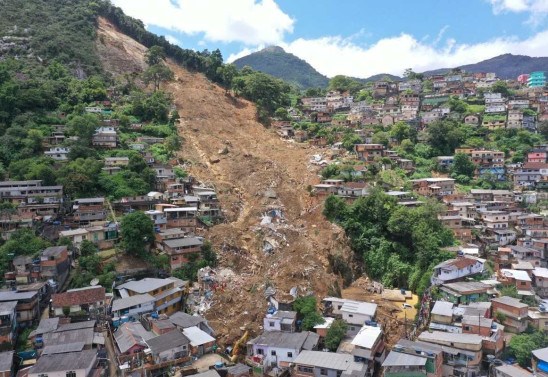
(88, 248)
(226, 74)
(542, 128)
(522, 345)
(344, 83)
(462, 166)
(401, 131)
(308, 312)
(334, 208)
(444, 136)
(155, 55)
(411, 75)
(501, 87)
(335, 334)
(157, 74)
(137, 231)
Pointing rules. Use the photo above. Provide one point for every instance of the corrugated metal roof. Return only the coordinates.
(128, 302)
(197, 337)
(396, 359)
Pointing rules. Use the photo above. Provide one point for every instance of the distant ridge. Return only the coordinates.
(506, 66)
(278, 63)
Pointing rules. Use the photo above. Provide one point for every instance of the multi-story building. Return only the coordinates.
(434, 186)
(414, 359)
(369, 152)
(514, 311)
(327, 364)
(536, 79)
(105, 137)
(58, 153)
(55, 264)
(167, 293)
(88, 210)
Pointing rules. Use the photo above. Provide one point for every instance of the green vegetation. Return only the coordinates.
(306, 308)
(335, 334)
(522, 345)
(21, 242)
(278, 63)
(398, 245)
(189, 271)
(137, 232)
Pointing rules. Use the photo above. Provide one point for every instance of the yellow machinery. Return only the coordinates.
(236, 349)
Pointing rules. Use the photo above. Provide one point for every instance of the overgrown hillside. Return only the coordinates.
(278, 63)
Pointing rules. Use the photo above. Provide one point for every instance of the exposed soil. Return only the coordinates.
(257, 172)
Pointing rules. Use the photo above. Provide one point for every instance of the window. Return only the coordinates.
(273, 353)
(523, 283)
(323, 372)
(301, 369)
(467, 328)
(290, 354)
(42, 375)
(271, 324)
(71, 373)
(260, 351)
(351, 315)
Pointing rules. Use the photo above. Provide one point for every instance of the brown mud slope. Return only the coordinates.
(254, 171)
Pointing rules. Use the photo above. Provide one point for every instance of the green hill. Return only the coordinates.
(278, 63)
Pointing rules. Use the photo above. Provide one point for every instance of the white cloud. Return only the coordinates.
(336, 55)
(251, 22)
(238, 55)
(172, 39)
(537, 9)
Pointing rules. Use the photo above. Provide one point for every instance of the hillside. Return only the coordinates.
(278, 63)
(506, 66)
(260, 172)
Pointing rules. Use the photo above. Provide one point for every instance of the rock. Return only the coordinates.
(214, 160)
(223, 150)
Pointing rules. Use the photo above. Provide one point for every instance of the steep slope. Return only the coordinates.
(260, 172)
(278, 63)
(506, 66)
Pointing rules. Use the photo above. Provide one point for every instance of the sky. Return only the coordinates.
(358, 38)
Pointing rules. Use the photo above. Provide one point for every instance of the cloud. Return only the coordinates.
(172, 39)
(335, 55)
(537, 9)
(242, 53)
(251, 22)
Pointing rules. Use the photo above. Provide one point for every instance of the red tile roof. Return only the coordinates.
(89, 295)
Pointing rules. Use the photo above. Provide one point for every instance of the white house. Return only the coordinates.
(133, 305)
(367, 345)
(456, 269)
(279, 349)
(356, 314)
(58, 153)
(280, 321)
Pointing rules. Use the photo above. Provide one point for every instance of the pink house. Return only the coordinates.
(522, 79)
(537, 155)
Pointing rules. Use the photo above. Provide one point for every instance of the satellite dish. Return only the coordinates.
(94, 282)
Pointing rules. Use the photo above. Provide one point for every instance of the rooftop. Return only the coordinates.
(182, 242)
(366, 308)
(443, 308)
(367, 337)
(128, 302)
(510, 301)
(145, 285)
(329, 360)
(184, 320)
(396, 359)
(53, 251)
(286, 340)
(466, 287)
(165, 342)
(197, 337)
(513, 371)
(516, 274)
(89, 295)
(7, 307)
(440, 337)
(6, 361)
(64, 361)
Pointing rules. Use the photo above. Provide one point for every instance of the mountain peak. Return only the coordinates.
(275, 61)
(274, 49)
